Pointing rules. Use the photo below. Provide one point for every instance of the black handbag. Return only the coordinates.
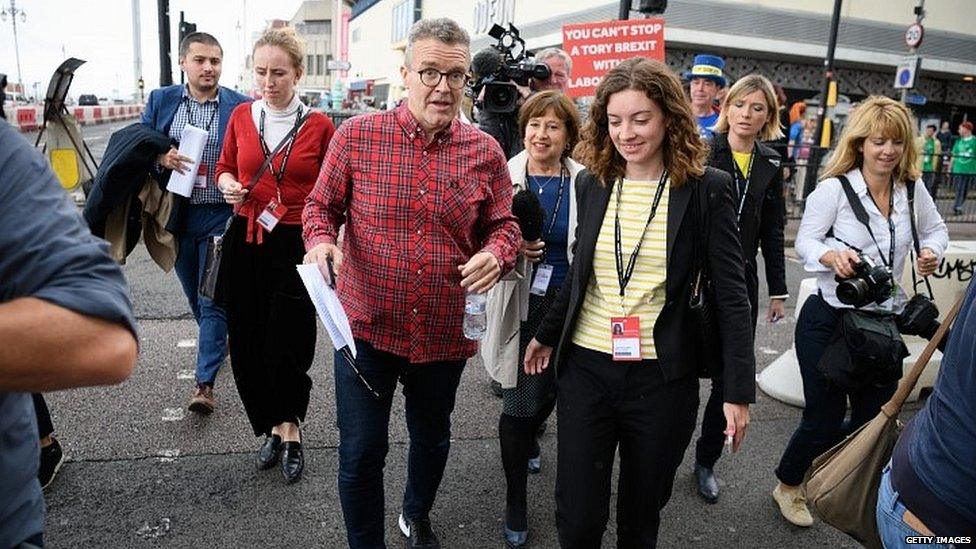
(701, 301)
(213, 282)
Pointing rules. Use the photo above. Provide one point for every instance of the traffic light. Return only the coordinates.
(652, 7)
(186, 28)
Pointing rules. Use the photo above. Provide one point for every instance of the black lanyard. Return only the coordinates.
(189, 114)
(891, 225)
(563, 177)
(267, 152)
(742, 187)
(623, 276)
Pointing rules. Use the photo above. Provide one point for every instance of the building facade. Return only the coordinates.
(783, 40)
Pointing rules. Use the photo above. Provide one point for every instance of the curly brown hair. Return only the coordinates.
(684, 151)
(561, 107)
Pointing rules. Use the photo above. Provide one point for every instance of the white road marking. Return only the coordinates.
(173, 414)
(186, 344)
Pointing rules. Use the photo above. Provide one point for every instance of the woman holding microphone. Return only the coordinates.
(639, 223)
(549, 123)
(877, 157)
(270, 318)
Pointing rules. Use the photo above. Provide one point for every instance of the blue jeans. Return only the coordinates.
(962, 182)
(202, 222)
(891, 509)
(363, 421)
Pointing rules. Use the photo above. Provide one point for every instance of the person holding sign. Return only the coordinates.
(750, 114)
(640, 209)
(549, 123)
(271, 156)
(203, 105)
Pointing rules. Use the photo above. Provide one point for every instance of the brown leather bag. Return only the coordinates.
(842, 484)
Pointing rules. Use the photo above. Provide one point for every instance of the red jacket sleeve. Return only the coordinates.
(228, 154)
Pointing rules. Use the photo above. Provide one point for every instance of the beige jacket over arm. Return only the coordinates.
(508, 301)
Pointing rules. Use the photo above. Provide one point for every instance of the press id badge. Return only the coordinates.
(271, 215)
(543, 275)
(200, 182)
(625, 337)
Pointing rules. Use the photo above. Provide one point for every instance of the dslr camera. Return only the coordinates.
(511, 66)
(871, 283)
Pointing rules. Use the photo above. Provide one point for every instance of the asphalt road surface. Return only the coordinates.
(143, 472)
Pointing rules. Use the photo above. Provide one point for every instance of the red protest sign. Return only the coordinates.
(598, 47)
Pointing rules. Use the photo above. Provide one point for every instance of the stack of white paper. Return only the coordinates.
(327, 304)
(192, 142)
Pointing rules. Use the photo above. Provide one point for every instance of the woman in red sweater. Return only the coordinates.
(270, 318)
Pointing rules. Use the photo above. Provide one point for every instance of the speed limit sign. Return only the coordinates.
(913, 36)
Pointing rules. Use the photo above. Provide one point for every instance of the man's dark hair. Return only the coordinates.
(198, 38)
(933, 127)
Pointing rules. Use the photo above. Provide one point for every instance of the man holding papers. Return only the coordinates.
(206, 106)
(427, 206)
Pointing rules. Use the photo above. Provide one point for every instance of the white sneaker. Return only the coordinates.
(793, 505)
(404, 527)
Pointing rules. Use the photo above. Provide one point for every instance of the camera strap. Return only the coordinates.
(862, 215)
(910, 187)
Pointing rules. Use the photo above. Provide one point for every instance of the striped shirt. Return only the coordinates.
(644, 296)
(206, 117)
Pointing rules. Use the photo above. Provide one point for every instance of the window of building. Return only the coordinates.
(405, 14)
(355, 35)
(319, 67)
(310, 64)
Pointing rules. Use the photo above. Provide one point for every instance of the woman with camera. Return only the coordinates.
(750, 113)
(549, 123)
(271, 157)
(641, 209)
(858, 267)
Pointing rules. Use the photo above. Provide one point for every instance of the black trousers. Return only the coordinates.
(44, 425)
(271, 326)
(603, 405)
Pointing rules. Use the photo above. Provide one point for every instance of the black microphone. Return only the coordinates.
(486, 62)
(531, 216)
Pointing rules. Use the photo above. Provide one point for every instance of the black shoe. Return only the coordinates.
(51, 459)
(496, 388)
(707, 483)
(269, 452)
(419, 533)
(292, 461)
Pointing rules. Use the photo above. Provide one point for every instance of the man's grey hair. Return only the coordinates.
(198, 38)
(442, 29)
(555, 52)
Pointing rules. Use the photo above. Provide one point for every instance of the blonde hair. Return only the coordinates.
(684, 151)
(743, 87)
(285, 39)
(876, 115)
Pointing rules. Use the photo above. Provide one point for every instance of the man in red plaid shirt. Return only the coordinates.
(426, 201)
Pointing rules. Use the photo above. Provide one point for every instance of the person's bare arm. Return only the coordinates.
(46, 347)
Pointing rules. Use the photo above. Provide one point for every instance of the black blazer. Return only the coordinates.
(763, 215)
(675, 330)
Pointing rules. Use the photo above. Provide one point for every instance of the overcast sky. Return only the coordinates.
(100, 32)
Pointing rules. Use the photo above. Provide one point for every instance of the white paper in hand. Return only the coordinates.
(327, 304)
(192, 142)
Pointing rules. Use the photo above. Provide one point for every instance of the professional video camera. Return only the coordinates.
(870, 283)
(500, 67)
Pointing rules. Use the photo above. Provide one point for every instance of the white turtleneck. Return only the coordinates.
(277, 123)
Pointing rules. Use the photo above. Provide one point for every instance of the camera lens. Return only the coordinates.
(852, 292)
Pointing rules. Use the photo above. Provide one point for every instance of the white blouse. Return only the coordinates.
(827, 207)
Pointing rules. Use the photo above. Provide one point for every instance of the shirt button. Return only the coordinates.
(425, 153)
(419, 231)
(415, 311)
(420, 271)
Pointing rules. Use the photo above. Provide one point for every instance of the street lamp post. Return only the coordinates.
(14, 11)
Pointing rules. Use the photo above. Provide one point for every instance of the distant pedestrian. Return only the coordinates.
(426, 204)
(945, 136)
(931, 150)
(206, 105)
(705, 80)
(962, 165)
(66, 321)
(270, 318)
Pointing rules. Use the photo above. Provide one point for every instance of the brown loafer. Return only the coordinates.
(202, 401)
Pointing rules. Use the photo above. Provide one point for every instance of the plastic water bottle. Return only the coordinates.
(475, 319)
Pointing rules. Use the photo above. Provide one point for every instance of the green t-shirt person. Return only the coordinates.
(931, 149)
(964, 155)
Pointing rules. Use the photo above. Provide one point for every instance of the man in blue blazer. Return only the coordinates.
(203, 103)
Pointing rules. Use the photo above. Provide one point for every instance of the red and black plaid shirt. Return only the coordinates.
(413, 212)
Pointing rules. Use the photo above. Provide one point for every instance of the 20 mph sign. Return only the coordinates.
(914, 34)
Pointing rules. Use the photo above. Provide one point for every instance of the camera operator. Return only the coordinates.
(505, 76)
(857, 269)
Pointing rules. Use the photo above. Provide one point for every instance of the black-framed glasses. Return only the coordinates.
(432, 78)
